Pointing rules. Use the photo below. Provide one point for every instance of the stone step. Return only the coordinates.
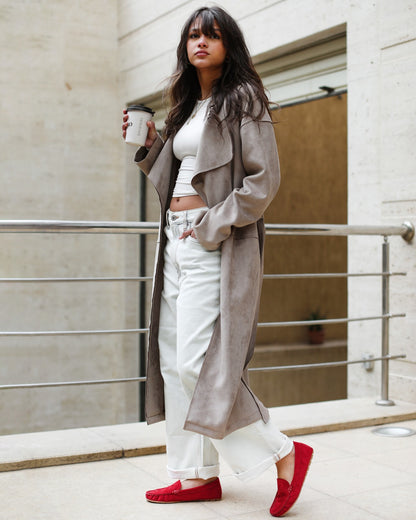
(53, 448)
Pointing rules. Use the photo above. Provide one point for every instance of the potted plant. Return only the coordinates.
(316, 332)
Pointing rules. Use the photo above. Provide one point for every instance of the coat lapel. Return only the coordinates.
(215, 147)
(215, 150)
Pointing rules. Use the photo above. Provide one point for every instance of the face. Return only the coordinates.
(205, 52)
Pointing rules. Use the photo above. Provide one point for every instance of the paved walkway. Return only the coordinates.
(355, 475)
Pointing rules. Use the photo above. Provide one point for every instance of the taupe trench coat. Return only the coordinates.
(237, 176)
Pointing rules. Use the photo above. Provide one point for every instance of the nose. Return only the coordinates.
(202, 42)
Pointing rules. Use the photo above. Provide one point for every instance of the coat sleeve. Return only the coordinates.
(145, 158)
(246, 204)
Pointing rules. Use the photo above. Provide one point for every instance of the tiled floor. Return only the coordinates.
(355, 475)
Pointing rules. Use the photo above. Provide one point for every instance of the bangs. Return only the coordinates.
(205, 22)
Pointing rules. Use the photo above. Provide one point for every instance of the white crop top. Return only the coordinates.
(185, 148)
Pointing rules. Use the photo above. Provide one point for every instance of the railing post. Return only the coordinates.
(385, 296)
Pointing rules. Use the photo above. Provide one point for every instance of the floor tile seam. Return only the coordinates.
(337, 460)
(110, 441)
(230, 517)
(351, 453)
(318, 445)
(388, 466)
(325, 494)
(365, 509)
(56, 461)
(211, 510)
(162, 482)
(387, 489)
(360, 508)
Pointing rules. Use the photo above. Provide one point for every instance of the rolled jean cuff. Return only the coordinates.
(203, 472)
(260, 468)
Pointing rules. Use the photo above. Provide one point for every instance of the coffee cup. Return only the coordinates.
(137, 129)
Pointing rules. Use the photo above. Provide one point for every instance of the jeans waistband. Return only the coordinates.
(185, 217)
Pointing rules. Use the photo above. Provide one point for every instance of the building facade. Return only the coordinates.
(70, 68)
(367, 48)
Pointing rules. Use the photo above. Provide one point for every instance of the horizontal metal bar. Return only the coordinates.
(86, 279)
(323, 365)
(326, 322)
(406, 230)
(72, 332)
(144, 330)
(149, 278)
(77, 226)
(74, 383)
(143, 379)
(325, 275)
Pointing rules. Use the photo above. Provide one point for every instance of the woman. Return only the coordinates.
(216, 171)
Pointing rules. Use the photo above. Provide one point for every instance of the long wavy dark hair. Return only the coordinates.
(239, 86)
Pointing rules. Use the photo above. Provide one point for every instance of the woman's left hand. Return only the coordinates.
(187, 233)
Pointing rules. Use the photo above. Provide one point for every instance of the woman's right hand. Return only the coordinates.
(151, 134)
(125, 123)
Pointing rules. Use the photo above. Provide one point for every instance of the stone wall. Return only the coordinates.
(62, 157)
(67, 70)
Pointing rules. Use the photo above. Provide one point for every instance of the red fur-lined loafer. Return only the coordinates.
(287, 494)
(174, 493)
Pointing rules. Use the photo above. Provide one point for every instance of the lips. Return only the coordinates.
(201, 53)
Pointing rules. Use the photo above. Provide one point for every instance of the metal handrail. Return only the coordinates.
(84, 279)
(273, 324)
(252, 369)
(406, 231)
(149, 278)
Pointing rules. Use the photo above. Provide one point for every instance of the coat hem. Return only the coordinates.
(155, 418)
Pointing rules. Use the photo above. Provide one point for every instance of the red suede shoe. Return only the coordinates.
(174, 493)
(287, 494)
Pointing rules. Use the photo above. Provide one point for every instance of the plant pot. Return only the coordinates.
(316, 337)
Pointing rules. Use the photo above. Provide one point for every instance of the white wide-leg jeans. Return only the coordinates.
(189, 308)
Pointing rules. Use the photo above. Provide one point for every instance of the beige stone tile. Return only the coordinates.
(390, 503)
(134, 438)
(105, 490)
(101, 443)
(409, 424)
(343, 477)
(330, 508)
(337, 415)
(309, 494)
(154, 465)
(362, 442)
(253, 515)
(321, 450)
(403, 460)
(242, 497)
(46, 448)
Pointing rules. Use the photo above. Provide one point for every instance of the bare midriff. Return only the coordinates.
(184, 203)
